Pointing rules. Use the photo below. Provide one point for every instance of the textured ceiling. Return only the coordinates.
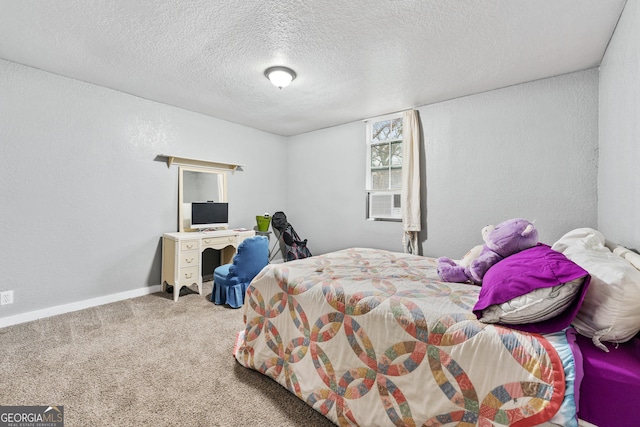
(354, 59)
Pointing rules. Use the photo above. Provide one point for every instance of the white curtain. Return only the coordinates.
(410, 201)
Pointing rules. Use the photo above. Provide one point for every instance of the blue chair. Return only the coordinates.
(230, 281)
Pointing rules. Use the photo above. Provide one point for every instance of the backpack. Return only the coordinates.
(295, 247)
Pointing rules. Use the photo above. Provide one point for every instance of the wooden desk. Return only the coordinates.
(182, 255)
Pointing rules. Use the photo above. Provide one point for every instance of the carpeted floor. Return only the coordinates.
(146, 361)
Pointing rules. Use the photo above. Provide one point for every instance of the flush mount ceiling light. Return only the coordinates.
(280, 76)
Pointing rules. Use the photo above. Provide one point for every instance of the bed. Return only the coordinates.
(610, 388)
(373, 338)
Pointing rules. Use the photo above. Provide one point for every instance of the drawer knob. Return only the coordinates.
(188, 275)
(189, 261)
(189, 245)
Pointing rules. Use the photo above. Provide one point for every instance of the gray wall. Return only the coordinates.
(524, 151)
(326, 200)
(619, 162)
(84, 203)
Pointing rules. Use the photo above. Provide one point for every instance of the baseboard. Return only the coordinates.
(75, 306)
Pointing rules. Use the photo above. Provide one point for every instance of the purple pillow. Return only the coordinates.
(528, 270)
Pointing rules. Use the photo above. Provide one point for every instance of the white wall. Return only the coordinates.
(525, 151)
(619, 120)
(84, 202)
(326, 200)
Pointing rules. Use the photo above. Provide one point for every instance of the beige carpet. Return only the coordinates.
(144, 362)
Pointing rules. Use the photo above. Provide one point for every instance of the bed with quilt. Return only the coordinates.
(374, 338)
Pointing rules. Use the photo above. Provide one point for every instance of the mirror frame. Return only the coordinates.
(222, 174)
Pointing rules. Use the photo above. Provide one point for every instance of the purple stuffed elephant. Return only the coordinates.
(501, 241)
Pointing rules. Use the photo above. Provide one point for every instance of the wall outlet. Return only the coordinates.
(6, 297)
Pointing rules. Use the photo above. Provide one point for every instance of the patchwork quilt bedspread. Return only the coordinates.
(372, 338)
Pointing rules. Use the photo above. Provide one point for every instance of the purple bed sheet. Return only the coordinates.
(610, 388)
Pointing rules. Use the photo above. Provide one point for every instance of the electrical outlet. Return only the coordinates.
(6, 297)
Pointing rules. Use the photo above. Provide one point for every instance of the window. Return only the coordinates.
(384, 167)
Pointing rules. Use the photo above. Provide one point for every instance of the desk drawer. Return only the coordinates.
(189, 259)
(189, 275)
(219, 242)
(189, 245)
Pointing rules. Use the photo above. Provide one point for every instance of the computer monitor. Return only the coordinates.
(209, 215)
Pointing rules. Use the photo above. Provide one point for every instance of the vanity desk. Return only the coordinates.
(198, 181)
(182, 255)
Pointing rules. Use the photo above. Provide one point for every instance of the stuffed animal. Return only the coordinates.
(475, 251)
(501, 241)
(449, 270)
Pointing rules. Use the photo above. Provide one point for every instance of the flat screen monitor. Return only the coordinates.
(209, 215)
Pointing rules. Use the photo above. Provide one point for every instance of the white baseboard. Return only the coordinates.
(75, 306)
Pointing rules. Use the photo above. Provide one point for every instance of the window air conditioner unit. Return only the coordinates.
(384, 206)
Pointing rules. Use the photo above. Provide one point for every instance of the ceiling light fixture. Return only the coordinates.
(280, 76)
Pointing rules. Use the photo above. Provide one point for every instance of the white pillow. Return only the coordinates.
(629, 255)
(611, 308)
(536, 306)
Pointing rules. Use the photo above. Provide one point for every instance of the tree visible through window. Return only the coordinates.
(386, 154)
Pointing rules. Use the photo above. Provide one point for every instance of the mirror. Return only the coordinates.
(198, 185)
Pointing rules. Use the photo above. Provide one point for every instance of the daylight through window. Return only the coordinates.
(384, 166)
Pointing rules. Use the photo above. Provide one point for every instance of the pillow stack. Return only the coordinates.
(535, 290)
(611, 307)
